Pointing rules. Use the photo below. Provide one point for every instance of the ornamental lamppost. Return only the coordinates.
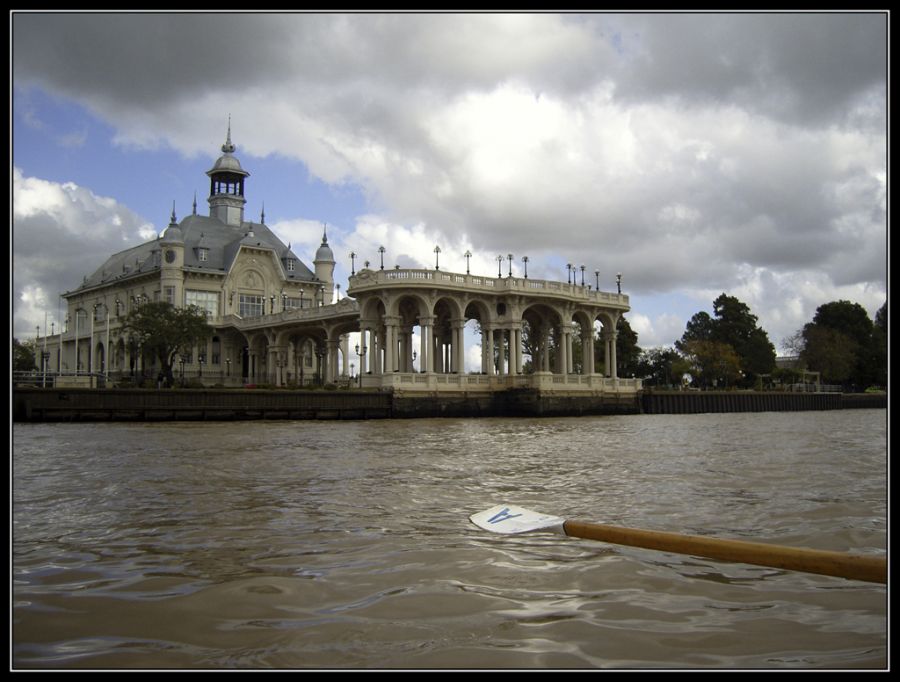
(597, 275)
(499, 265)
(525, 261)
(582, 275)
(381, 251)
(352, 263)
(619, 282)
(468, 255)
(569, 273)
(437, 254)
(510, 258)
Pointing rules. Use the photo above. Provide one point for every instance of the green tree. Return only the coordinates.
(164, 330)
(735, 326)
(23, 356)
(851, 319)
(628, 353)
(713, 363)
(830, 352)
(855, 334)
(658, 367)
(699, 328)
(879, 342)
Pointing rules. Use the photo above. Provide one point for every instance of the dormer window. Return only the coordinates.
(202, 254)
(290, 264)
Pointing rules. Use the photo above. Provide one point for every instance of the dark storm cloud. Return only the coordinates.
(691, 149)
(807, 68)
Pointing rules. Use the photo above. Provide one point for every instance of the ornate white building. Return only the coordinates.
(274, 321)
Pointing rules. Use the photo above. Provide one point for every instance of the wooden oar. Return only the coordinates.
(511, 519)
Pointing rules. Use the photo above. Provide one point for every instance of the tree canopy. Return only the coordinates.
(23, 356)
(734, 327)
(845, 345)
(164, 330)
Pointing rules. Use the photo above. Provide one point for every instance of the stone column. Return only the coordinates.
(545, 348)
(345, 351)
(331, 361)
(612, 342)
(517, 348)
(587, 347)
(375, 350)
(390, 345)
(562, 361)
(458, 347)
(487, 350)
(272, 369)
(426, 353)
(610, 353)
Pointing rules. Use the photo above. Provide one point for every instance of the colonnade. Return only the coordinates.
(387, 346)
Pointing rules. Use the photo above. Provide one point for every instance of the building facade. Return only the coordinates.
(275, 321)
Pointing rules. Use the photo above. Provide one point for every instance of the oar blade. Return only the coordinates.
(509, 519)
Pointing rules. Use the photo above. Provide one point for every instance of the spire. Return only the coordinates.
(324, 234)
(172, 234)
(262, 214)
(228, 147)
(195, 202)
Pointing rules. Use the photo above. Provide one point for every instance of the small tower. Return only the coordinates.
(324, 264)
(172, 265)
(226, 186)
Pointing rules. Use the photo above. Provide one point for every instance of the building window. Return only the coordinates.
(290, 264)
(252, 306)
(170, 295)
(203, 254)
(292, 303)
(205, 300)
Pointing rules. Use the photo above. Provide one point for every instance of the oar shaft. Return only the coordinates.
(854, 566)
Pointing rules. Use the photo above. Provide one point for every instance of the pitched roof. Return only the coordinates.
(223, 242)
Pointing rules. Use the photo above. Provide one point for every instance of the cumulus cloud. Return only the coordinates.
(695, 152)
(62, 232)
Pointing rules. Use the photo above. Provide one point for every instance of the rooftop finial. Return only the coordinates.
(172, 220)
(228, 147)
(195, 202)
(324, 233)
(262, 214)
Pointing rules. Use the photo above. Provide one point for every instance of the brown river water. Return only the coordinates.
(347, 545)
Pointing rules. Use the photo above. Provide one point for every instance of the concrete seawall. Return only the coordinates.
(696, 402)
(195, 405)
(39, 405)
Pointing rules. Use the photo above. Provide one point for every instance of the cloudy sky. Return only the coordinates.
(696, 154)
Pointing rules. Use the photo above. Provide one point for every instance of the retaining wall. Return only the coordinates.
(36, 404)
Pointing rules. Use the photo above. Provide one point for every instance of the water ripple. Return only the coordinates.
(326, 545)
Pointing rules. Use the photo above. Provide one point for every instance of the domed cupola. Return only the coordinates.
(324, 252)
(173, 234)
(226, 187)
(324, 263)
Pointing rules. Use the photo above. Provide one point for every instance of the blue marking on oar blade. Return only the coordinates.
(502, 515)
